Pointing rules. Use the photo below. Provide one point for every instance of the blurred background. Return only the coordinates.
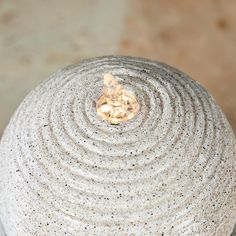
(38, 37)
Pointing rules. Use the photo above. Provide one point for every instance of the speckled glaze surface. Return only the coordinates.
(168, 171)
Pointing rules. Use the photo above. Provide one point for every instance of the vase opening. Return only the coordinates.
(116, 104)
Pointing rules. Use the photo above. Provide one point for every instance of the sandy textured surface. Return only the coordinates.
(38, 37)
(65, 171)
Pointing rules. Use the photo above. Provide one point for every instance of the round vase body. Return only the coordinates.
(168, 171)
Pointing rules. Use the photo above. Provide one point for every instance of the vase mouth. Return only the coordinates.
(116, 104)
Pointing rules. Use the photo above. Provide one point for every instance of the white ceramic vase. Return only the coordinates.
(168, 171)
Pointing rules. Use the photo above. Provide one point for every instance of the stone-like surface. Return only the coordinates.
(1, 230)
(168, 171)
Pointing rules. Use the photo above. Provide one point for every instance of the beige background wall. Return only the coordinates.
(39, 36)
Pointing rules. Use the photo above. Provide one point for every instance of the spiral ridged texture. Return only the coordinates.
(168, 171)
